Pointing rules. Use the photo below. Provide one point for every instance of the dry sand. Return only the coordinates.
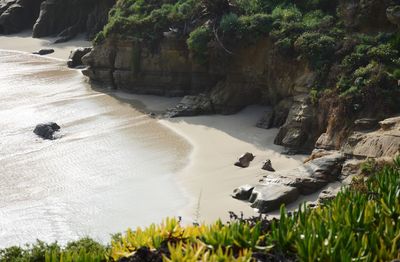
(25, 43)
(217, 141)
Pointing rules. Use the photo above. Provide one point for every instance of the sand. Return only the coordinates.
(25, 43)
(217, 141)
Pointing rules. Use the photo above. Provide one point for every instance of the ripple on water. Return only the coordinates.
(112, 169)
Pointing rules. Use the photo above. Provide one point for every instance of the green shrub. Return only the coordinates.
(198, 43)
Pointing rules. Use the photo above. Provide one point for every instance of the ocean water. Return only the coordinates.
(112, 168)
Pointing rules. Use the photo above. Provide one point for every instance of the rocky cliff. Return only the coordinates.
(54, 17)
(259, 73)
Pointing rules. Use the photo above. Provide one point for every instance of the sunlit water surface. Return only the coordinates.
(111, 169)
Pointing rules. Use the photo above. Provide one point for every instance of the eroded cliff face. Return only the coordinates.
(17, 15)
(54, 17)
(255, 74)
(68, 18)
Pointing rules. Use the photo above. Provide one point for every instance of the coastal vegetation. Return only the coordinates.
(361, 223)
(356, 64)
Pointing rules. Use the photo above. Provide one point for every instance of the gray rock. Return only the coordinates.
(47, 130)
(244, 160)
(298, 133)
(268, 166)
(192, 106)
(243, 192)
(75, 58)
(44, 52)
(270, 197)
(381, 143)
(366, 124)
(266, 120)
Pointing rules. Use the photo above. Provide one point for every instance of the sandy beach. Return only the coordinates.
(24, 42)
(209, 176)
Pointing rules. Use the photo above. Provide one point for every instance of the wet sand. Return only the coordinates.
(186, 168)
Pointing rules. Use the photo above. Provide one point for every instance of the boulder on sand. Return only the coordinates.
(44, 52)
(268, 166)
(47, 130)
(244, 160)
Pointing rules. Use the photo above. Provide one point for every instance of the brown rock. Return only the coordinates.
(244, 160)
(268, 166)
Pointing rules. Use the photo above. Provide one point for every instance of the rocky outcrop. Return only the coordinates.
(256, 74)
(284, 187)
(17, 15)
(129, 66)
(47, 131)
(298, 134)
(69, 18)
(357, 15)
(384, 142)
(75, 58)
(192, 106)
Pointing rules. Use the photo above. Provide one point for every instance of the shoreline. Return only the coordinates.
(209, 177)
(23, 42)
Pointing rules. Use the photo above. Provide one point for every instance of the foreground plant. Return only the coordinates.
(361, 224)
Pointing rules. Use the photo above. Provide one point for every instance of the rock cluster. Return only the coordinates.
(284, 187)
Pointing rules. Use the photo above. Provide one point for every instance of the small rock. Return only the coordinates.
(244, 160)
(268, 166)
(47, 130)
(243, 192)
(44, 52)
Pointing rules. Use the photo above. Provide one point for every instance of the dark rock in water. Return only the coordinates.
(268, 166)
(44, 52)
(243, 192)
(244, 160)
(46, 131)
(270, 197)
(266, 121)
(191, 106)
(75, 58)
(366, 124)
